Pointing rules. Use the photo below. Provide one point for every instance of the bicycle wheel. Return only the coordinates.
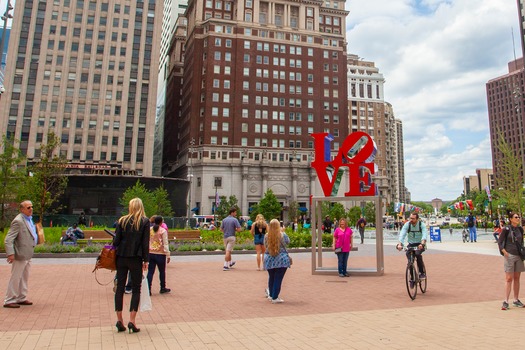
(411, 281)
(423, 283)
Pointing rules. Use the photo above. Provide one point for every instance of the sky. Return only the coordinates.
(436, 57)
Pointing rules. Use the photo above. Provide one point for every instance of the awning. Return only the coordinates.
(303, 209)
(196, 209)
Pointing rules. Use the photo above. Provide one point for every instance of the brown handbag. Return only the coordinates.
(107, 258)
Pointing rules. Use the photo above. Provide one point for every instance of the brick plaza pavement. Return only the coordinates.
(212, 309)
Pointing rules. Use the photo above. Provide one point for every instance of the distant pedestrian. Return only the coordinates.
(159, 253)
(327, 224)
(258, 231)
(471, 223)
(82, 219)
(360, 225)
(229, 226)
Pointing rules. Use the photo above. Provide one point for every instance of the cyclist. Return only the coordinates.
(416, 232)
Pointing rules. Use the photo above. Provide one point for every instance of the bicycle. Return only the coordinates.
(412, 275)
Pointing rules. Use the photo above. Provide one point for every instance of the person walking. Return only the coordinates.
(343, 242)
(360, 225)
(471, 223)
(509, 237)
(276, 260)
(132, 244)
(327, 224)
(229, 226)
(258, 230)
(20, 244)
(159, 253)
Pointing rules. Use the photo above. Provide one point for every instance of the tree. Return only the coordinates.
(269, 206)
(337, 211)
(139, 190)
(225, 205)
(46, 183)
(370, 211)
(293, 211)
(10, 177)
(509, 175)
(162, 202)
(353, 215)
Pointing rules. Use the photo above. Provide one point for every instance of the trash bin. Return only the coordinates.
(435, 233)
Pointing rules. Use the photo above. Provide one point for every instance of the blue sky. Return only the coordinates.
(436, 57)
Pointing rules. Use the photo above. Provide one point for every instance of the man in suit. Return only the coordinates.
(20, 243)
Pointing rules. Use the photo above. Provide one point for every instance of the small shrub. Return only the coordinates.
(43, 248)
(196, 247)
(95, 248)
(212, 247)
(58, 248)
(184, 248)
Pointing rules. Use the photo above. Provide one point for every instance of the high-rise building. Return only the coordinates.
(404, 195)
(368, 112)
(259, 77)
(506, 106)
(87, 71)
(505, 100)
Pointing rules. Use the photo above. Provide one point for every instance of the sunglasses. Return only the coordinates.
(515, 217)
(29, 207)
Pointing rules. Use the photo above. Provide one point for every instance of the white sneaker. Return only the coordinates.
(267, 292)
(277, 301)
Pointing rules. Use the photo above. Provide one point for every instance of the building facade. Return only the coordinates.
(505, 100)
(86, 71)
(368, 112)
(258, 78)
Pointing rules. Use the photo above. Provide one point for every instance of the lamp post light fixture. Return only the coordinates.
(190, 178)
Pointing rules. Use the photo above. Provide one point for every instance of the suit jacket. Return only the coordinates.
(131, 243)
(19, 240)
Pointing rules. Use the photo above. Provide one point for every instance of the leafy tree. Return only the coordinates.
(370, 211)
(225, 205)
(337, 211)
(10, 177)
(293, 211)
(509, 178)
(162, 202)
(139, 190)
(353, 215)
(269, 206)
(46, 183)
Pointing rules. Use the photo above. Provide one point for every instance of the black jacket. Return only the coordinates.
(131, 243)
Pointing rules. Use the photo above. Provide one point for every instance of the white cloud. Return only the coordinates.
(436, 57)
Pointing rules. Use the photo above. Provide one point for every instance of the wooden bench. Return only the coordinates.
(102, 237)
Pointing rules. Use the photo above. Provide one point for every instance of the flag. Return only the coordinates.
(217, 199)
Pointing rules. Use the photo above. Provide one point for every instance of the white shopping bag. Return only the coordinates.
(145, 298)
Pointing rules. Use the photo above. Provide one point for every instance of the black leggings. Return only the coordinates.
(134, 266)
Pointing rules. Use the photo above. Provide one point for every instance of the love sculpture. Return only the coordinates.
(357, 153)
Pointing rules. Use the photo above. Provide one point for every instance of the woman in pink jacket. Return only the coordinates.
(342, 244)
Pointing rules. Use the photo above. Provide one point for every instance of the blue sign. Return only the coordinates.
(435, 233)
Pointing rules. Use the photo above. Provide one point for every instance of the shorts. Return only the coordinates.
(258, 239)
(229, 242)
(513, 264)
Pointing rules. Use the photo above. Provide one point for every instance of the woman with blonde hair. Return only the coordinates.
(276, 259)
(258, 230)
(132, 244)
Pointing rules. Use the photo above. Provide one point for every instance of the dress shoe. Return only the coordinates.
(12, 306)
(25, 302)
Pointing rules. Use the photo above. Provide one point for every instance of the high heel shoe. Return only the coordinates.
(120, 327)
(131, 327)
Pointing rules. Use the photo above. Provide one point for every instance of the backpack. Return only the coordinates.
(470, 221)
(418, 228)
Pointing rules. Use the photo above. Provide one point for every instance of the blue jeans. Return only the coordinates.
(473, 233)
(342, 262)
(157, 260)
(275, 279)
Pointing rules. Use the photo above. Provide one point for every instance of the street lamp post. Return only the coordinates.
(190, 178)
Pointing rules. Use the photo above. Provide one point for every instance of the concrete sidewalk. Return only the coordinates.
(210, 308)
